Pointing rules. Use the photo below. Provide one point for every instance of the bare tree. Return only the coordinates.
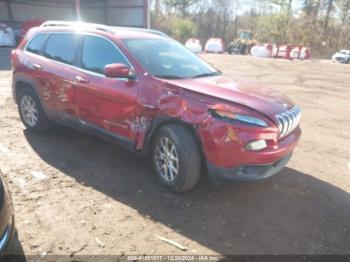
(328, 12)
(310, 22)
(181, 6)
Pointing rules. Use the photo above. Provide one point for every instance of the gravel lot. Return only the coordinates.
(77, 195)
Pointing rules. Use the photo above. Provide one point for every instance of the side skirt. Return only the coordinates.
(81, 125)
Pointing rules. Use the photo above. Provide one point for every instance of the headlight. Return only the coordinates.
(233, 117)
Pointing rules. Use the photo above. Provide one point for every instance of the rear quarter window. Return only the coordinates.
(62, 47)
(37, 43)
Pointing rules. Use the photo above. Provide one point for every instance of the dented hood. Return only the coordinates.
(241, 91)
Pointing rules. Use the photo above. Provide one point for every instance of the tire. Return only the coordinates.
(242, 49)
(187, 152)
(39, 123)
(248, 49)
(340, 60)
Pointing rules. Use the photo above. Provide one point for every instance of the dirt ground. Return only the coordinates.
(75, 194)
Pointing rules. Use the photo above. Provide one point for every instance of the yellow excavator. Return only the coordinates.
(243, 43)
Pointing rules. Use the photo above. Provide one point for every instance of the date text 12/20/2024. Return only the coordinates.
(174, 258)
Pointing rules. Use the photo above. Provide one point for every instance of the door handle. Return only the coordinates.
(81, 79)
(150, 107)
(173, 91)
(37, 66)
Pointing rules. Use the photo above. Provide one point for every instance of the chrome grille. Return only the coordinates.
(288, 121)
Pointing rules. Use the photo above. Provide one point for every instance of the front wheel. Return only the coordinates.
(340, 60)
(242, 49)
(176, 158)
(230, 50)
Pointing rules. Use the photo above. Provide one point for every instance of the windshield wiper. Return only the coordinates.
(207, 74)
(168, 76)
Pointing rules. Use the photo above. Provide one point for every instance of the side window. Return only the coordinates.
(62, 47)
(37, 43)
(98, 52)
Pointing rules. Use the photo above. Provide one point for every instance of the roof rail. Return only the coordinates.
(101, 27)
(139, 29)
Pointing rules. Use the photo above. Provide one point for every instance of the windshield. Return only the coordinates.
(165, 58)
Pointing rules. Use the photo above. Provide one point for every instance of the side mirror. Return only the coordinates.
(119, 71)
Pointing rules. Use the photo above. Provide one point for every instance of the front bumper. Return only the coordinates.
(247, 173)
(7, 238)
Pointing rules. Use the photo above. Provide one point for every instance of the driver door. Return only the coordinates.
(105, 103)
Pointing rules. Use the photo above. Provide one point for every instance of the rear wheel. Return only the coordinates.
(31, 111)
(176, 158)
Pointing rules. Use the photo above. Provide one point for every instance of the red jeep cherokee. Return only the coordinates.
(150, 94)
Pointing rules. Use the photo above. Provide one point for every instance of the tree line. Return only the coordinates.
(323, 25)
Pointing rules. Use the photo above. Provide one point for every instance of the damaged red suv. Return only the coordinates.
(151, 95)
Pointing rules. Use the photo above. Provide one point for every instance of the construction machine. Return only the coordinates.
(243, 43)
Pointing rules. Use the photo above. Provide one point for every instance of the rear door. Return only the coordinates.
(34, 68)
(106, 103)
(59, 71)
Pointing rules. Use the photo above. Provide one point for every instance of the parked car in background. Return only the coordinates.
(153, 96)
(7, 220)
(7, 36)
(194, 45)
(343, 56)
(214, 45)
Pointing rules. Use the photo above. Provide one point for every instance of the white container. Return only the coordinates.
(281, 51)
(214, 45)
(194, 45)
(295, 53)
(260, 51)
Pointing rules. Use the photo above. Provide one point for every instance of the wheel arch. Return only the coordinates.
(19, 84)
(160, 122)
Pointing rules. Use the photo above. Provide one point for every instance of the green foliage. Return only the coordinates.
(182, 29)
(271, 28)
(177, 27)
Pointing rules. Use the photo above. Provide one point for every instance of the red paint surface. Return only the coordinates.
(127, 107)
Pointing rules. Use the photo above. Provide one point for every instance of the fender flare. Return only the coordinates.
(30, 83)
(161, 121)
(26, 81)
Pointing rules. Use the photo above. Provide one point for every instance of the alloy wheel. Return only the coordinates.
(166, 159)
(29, 110)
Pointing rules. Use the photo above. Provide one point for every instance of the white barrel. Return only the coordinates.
(260, 51)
